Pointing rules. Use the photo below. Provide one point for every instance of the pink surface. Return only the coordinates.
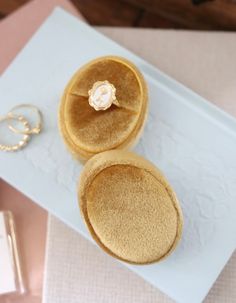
(31, 232)
(16, 30)
(31, 220)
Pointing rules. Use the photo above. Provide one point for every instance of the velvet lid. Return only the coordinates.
(129, 208)
(86, 131)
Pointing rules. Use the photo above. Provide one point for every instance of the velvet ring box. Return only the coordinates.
(129, 208)
(86, 131)
(126, 202)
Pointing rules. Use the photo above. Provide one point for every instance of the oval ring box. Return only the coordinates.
(86, 131)
(129, 207)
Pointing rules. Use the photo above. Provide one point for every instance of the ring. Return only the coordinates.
(25, 139)
(102, 95)
(35, 130)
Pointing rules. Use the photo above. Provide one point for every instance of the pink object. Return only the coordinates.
(18, 28)
(31, 233)
(31, 220)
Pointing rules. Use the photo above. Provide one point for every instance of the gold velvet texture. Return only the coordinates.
(86, 131)
(129, 207)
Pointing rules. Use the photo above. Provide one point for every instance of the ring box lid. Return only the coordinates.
(129, 208)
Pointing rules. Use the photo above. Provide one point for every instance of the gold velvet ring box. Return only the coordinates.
(126, 202)
(87, 132)
(129, 207)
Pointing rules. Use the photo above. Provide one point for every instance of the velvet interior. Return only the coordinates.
(130, 209)
(94, 131)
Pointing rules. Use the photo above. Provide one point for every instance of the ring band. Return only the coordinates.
(25, 139)
(102, 95)
(35, 130)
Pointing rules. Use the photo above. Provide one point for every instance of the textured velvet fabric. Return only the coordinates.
(87, 131)
(129, 207)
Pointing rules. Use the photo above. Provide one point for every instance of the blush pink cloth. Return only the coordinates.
(31, 220)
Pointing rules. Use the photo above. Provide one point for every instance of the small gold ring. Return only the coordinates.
(25, 139)
(102, 95)
(31, 131)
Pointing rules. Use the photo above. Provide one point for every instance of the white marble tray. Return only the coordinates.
(192, 141)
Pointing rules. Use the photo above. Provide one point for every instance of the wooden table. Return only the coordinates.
(181, 14)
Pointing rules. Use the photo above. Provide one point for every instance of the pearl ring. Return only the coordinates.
(102, 95)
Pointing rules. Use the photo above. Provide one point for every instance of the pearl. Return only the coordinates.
(102, 95)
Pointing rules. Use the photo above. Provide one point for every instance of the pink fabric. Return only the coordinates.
(31, 220)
